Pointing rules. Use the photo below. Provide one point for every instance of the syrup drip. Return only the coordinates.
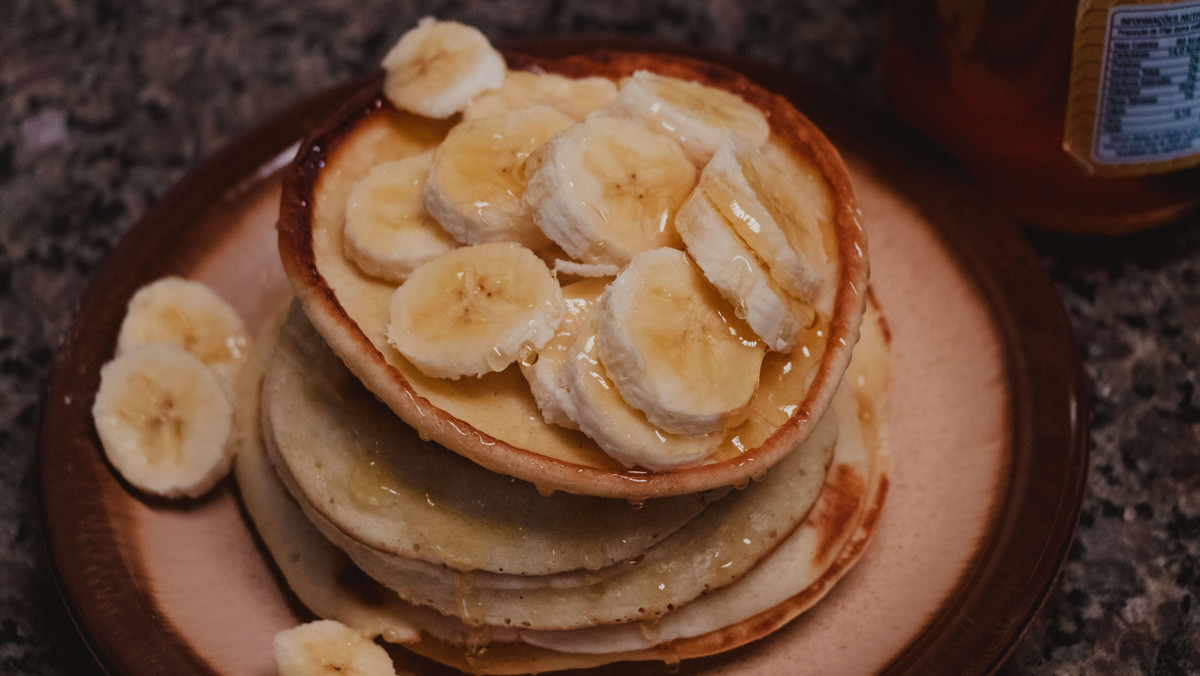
(371, 480)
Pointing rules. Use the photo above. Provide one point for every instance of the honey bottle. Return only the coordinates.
(1080, 116)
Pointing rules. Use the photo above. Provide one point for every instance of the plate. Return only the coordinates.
(987, 424)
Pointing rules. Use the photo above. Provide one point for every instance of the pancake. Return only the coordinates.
(493, 420)
(319, 421)
(794, 577)
(364, 470)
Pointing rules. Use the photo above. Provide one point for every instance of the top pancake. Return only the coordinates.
(494, 420)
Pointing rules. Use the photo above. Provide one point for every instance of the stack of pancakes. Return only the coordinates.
(449, 518)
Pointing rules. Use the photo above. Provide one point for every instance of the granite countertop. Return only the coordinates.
(104, 105)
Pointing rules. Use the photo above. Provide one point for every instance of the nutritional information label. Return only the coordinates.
(1148, 105)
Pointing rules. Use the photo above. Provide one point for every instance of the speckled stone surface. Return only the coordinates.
(105, 104)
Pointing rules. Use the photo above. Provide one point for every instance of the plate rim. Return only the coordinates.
(1033, 332)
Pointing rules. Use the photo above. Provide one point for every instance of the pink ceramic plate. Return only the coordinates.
(986, 414)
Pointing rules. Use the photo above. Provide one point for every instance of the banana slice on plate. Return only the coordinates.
(522, 89)
(164, 420)
(475, 310)
(439, 66)
(388, 231)
(758, 248)
(607, 189)
(329, 648)
(544, 368)
(695, 115)
(673, 348)
(477, 181)
(189, 315)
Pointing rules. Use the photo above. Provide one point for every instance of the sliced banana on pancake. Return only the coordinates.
(543, 368)
(622, 431)
(164, 420)
(576, 97)
(695, 115)
(607, 189)
(388, 231)
(673, 348)
(189, 315)
(477, 181)
(803, 198)
(742, 279)
(473, 310)
(329, 648)
(755, 198)
(753, 243)
(567, 268)
(439, 66)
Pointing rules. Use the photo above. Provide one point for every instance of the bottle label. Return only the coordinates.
(1132, 106)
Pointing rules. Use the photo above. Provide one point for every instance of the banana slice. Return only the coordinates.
(563, 267)
(544, 368)
(164, 420)
(522, 89)
(607, 189)
(754, 244)
(695, 115)
(618, 428)
(477, 181)
(439, 66)
(740, 276)
(755, 199)
(673, 348)
(329, 648)
(388, 230)
(187, 314)
(474, 310)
